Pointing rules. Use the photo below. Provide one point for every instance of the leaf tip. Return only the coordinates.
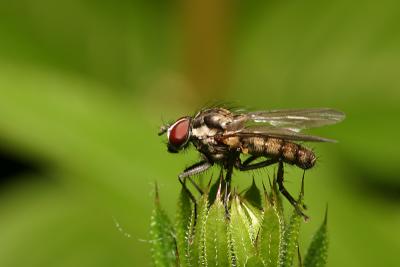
(156, 193)
(326, 214)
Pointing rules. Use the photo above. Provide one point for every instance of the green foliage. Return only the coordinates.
(183, 216)
(234, 230)
(217, 234)
(270, 234)
(318, 251)
(253, 196)
(240, 234)
(199, 238)
(162, 240)
(289, 242)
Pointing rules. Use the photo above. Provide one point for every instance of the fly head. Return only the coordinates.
(178, 134)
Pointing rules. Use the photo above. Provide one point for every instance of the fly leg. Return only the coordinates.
(196, 168)
(249, 160)
(229, 164)
(229, 170)
(189, 194)
(228, 176)
(283, 190)
(246, 166)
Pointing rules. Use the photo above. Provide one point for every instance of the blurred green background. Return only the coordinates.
(84, 86)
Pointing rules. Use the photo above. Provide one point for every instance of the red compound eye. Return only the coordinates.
(178, 133)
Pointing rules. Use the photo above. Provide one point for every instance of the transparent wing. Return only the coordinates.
(281, 133)
(296, 119)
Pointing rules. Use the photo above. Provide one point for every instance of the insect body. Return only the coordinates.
(222, 136)
(287, 151)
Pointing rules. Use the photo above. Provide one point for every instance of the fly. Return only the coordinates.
(222, 135)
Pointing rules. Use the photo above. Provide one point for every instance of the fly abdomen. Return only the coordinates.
(289, 152)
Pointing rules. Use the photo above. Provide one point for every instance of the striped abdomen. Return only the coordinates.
(289, 152)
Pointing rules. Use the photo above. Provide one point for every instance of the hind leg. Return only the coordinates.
(246, 166)
(282, 189)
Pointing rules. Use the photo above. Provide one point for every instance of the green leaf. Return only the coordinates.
(253, 207)
(216, 235)
(190, 260)
(240, 237)
(290, 240)
(162, 237)
(318, 251)
(218, 186)
(253, 196)
(199, 239)
(254, 219)
(270, 236)
(289, 244)
(299, 259)
(183, 215)
(276, 199)
(254, 262)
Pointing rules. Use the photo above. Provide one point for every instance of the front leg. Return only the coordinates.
(196, 168)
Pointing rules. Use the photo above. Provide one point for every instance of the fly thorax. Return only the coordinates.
(232, 142)
(205, 145)
(203, 132)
